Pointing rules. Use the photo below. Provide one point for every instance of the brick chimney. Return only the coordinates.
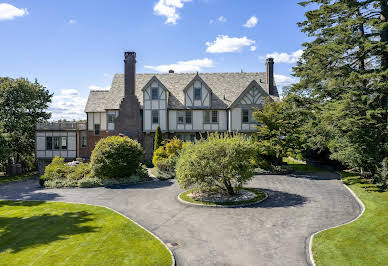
(129, 73)
(270, 76)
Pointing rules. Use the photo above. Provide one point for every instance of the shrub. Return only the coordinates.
(158, 138)
(222, 161)
(55, 170)
(80, 171)
(142, 172)
(116, 157)
(165, 157)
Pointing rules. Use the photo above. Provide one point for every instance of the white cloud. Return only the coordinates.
(251, 22)
(225, 44)
(184, 66)
(8, 12)
(168, 8)
(222, 19)
(282, 80)
(72, 21)
(67, 105)
(286, 58)
(253, 48)
(69, 92)
(98, 88)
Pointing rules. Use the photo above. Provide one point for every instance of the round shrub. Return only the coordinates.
(116, 157)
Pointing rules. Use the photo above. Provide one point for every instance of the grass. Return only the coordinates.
(50, 233)
(362, 242)
(300, 166)
(8, 179)
(259, 196)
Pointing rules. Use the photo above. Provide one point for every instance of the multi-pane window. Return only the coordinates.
(96, 129)
(155, 116)
(63, 143)
(155, 93)
(188, 117)
(210, 117)
(206, 117)
(181, 118)
(111, 118)
(197, 93)
(57, 144)
(84, 142)
(245, 116)
(49, 143)
(184, 117)
(214, 116)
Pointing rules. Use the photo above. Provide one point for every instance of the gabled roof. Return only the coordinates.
(226, 88)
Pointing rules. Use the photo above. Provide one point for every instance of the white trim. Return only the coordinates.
(70, 202)
(311, 257)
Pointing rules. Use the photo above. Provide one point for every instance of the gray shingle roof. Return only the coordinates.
(226, 88)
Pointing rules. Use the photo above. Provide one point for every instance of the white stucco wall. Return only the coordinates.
(149, 105)
(69, 153)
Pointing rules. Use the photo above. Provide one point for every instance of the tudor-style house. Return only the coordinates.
(184, 105)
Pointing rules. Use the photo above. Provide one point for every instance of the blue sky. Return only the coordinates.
(74, 46)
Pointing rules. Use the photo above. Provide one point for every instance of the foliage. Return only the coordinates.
(8, 179)
(5, 152)
(79, 171)
(116, 157)
(158, 138)
(47, 233)
(165, 157)
(362, 242)
(22, 105)
(142, 172)
(55, 170)
(221, 161)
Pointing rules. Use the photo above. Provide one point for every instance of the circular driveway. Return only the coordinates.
(273, 232)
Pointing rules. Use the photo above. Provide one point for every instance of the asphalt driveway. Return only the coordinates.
(274, 232)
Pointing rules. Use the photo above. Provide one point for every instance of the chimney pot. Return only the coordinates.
(171, 71)
(129, 73)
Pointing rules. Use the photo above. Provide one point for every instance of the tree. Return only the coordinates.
(22, 105)
(221, 162)
(158, 138)
(4, 150)
(344, 74)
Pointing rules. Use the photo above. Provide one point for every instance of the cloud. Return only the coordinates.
(225, 44)
(9, 12)
(168, 8)
(98, 88)
(184, 66)
(253, 48)
(69, 92)
(251, 22)
(67, 105)
(284, 57)
(72, 21)
(222, 19)
(282, 80)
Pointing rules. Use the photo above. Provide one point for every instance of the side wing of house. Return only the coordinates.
(240, 113)
(155, 96)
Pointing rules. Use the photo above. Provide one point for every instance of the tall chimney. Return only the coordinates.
(270, 77)
(129, 73)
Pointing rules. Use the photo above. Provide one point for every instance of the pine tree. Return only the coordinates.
(158, 139)
(344, 71)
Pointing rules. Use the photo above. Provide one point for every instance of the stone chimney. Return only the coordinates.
(129, 73)
(269, 76)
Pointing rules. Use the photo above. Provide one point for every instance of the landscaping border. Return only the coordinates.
(220, 206)
(145, 229)
(362, 206)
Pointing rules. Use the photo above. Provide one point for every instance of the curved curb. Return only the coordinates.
(311, 257)
(148, 231)
(220, 206)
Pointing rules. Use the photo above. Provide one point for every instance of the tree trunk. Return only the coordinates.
(229, 187)
(384, 32)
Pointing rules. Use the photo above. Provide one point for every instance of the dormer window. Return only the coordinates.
(155, 93)
(197, 93)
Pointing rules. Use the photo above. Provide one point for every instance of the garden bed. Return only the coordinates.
(245, 196)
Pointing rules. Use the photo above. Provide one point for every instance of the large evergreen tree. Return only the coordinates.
(344, 70)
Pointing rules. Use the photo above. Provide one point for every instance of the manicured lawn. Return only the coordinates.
(259, 196)
(7, 179)
(363, 242)
(50, 233)
(299, 166)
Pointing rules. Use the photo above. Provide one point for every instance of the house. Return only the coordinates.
(184, 105)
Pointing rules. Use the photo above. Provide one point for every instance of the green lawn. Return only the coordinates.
(363, 242)
(50, 233)
(300, 166)
(7, 179)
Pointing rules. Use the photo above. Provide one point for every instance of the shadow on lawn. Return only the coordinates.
(19, 233)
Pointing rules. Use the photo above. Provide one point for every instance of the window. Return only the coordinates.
(214, 116)
(63, 143)
(188, 117)
(97, 129)
(84, 141)
(155, 116)
(181, 117)
(56, 141)
(245, 116)
(155, 93)
(206, 117)
(111, 118)
(49, 143)
(197, 93)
